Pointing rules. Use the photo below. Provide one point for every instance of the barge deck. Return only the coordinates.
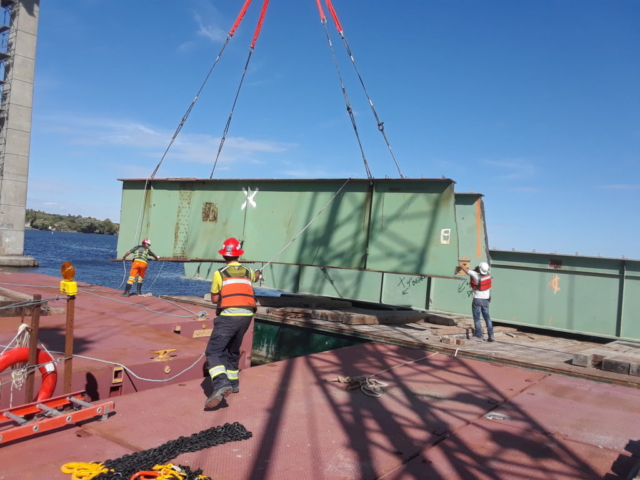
(441, 417)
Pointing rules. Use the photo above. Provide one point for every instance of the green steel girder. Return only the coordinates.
(570, 293)
(407, 226)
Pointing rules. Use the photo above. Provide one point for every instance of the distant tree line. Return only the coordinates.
(69, 223)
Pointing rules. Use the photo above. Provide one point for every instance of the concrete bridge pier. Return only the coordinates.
(18, 35)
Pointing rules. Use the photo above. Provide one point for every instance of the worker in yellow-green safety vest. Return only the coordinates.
(141, 254)
(233, 294)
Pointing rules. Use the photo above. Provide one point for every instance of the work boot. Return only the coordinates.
(139, 288)
(216, 397)
(235, 388)
(127, 291)
(492, 339)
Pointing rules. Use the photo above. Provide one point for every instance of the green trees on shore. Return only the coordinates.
(69, 223)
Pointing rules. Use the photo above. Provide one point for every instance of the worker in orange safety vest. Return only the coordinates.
(232, 292)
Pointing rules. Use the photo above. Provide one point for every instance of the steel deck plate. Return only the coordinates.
(41, 457)
(305, 426)
(606, 416)
(301, 423)
(491, 450)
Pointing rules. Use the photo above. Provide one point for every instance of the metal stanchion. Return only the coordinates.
(69, 287)
(68, 344)
(33, 348)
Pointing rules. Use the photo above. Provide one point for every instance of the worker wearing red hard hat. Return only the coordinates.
(141, 254)
(232, 291)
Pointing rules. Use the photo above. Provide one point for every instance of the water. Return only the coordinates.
(90, 255)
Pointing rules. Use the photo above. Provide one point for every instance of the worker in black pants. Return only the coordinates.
(232, 292)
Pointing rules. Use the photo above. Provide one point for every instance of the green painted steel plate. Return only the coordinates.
(402, 226)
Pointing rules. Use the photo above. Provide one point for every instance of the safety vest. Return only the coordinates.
(484, 283)
(237, 291)
(140, 253)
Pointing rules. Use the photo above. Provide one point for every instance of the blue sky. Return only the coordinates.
(535, 104)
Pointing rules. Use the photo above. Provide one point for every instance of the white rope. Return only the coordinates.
(139, 305)
(138, 376)
(124, 276)
(306, 226)
(19, 370)
(157, 275)
(22, 327)
(33, 368)
(131, 372)
(179, 306)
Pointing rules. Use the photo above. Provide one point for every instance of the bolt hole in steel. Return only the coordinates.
(167, 369)
(36, 428)
(68, 419)
(99, 410)
(0, 438)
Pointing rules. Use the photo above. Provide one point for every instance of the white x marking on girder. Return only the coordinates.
(250, 196)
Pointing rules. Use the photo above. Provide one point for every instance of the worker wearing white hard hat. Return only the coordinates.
(481, 288)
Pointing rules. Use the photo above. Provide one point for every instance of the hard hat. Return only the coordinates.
(484, 268)
(147, 241)
(231, 248)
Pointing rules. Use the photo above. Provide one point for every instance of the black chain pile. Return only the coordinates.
(128, 465)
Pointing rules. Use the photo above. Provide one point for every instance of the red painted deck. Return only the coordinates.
(429, 424)
(116, 329)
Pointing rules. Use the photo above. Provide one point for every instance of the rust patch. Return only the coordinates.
(555, 263)
(209, 212)
(479, 229)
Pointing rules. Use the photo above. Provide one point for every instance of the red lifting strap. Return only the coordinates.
(259, 26)
(323, 17)
(240, 17)
(334, 15)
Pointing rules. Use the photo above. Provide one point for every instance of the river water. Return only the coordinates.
(90, 255)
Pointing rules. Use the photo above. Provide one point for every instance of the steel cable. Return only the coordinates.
(29, 303)
(346, 100)
(86, 290)
(373, 109)
(380, 123)
(306, 226)
(223, 138)
(173, 138)
(187, 113)
(256, 34)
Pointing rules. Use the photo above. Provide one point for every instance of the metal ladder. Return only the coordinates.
(26, 420)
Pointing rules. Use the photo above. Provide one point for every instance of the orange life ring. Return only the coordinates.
(47, 368)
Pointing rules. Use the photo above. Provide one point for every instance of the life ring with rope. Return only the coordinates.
(47, 368)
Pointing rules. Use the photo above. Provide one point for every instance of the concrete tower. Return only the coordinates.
(18, 36)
